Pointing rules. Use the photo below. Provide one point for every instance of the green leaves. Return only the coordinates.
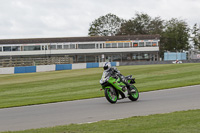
(107, 25)
(176, 35)
(142, 24)
(196, 36)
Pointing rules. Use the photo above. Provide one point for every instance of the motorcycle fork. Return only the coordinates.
(112, 90)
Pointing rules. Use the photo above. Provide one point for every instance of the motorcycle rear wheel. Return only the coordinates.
(134, 96)
(111, 96)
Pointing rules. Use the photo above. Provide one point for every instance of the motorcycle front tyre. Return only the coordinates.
(111, 96)
(134, 96)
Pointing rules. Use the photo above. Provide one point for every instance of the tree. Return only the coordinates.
(107, 25)
(176, 35)
(142, 24)
(196, 36)
(127, 28)
(156, 26)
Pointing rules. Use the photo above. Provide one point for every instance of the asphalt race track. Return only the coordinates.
(91, 110)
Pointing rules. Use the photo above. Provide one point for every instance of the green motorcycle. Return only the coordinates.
(115, 90)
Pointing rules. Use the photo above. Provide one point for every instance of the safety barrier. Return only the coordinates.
(174, 56)
(26, 69)
(57, 67)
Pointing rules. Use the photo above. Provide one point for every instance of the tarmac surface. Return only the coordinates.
(97, 109)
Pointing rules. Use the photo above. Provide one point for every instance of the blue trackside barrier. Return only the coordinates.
(45, 68)
(92, 65)
(19, 70)
(63, 67)
(26, 69)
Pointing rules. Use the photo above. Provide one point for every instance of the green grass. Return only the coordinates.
(48, 87)
(177, 122)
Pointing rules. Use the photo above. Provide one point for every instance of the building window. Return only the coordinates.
(97, 46)
(6, 48)
(108, 45)
(66, 46)
(126, 45)
(135, 44)
(59, 46)
(141, 44)
(32, 48)
(0, 49)
(116, 57)
(126, 57)
(72, 46)
(80, 58)
(101, 45)
(114, 45)
(134, 56)
(73, 57)
(140, 56)
(148, 44)
(86, 46)
(120, 45)
(143, 56)
(146, 56)
(154, 44)
(52, 47)
(90, 58)
(44, 47)
(15, 48)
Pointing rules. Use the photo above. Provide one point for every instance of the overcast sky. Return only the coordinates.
(72, 18)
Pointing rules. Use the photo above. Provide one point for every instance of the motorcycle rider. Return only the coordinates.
(114, 72)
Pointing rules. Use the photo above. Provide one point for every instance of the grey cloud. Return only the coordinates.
(62, 18)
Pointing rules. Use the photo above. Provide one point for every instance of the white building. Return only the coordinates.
(85, 49)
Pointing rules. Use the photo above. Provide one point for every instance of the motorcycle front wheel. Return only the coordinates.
(134, 96)
(111, 95)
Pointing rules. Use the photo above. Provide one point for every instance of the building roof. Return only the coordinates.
(79, 39)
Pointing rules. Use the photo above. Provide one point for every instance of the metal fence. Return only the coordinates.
(13, 62)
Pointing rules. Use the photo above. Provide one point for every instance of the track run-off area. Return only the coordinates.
(97, 109)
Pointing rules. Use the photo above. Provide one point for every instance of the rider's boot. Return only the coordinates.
(124, 80)
(129, 89)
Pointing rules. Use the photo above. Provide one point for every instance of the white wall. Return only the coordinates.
(79, 66)
(9, 70)
(45, 68)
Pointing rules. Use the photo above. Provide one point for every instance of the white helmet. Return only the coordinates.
(107, 66)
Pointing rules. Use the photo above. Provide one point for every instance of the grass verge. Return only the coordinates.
(57, 86)
(177, 122)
